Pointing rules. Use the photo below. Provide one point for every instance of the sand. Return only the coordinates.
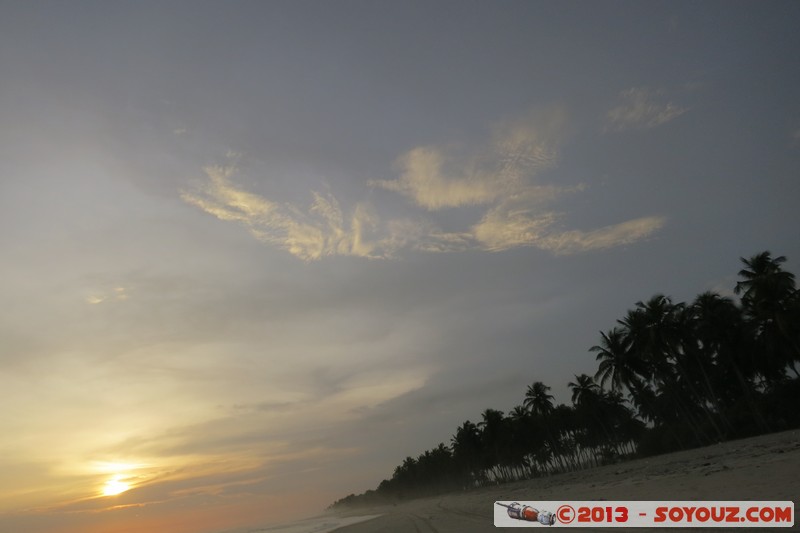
(758, 468)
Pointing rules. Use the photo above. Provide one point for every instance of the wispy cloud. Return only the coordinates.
(641, 108)
(426, 180)
(320, 231)
(615, 235)
(436, 178)
(501, 177)
(117, 293)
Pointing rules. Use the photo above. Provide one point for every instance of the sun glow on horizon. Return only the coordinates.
(115, 486)
(120, 476)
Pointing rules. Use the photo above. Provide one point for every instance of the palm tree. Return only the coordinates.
(625, 428)
(519, 413)
(765, 284)
(434, 470)
(467, 452)
(769, 298)
(537, 399)
(494, 438)
(562, 429)
(658, 332)
(522, 438)
(653, 332)
(584, 389)
(603, 415)
(529, 441)
(540, 404)
(721, 338)
(619, 365)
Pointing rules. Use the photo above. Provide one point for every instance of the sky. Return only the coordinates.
(257, 253)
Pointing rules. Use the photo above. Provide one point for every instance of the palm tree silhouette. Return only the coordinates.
(584, 389)
(537, 400)
(467, 452)
(770, 301)
(494, 439)
(619, 365)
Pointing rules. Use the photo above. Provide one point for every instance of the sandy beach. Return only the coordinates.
(758, 468)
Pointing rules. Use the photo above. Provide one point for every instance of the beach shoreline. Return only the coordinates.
(756, 468)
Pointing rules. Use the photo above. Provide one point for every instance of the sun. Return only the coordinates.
(114, 486)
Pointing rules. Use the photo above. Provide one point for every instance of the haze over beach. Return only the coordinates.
(258, 253)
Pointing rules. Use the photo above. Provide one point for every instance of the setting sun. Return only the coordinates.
(114, 486)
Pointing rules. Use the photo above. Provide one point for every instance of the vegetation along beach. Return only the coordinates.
(671, 376)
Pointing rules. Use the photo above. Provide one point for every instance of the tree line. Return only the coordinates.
(670, 376)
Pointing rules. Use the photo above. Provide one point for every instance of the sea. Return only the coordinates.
(317, 524)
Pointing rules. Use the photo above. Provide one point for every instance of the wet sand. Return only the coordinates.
(758, 468)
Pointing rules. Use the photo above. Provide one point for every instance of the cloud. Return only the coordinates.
(519, 220)
(320, 231)
(436, 178)
(425, 181)
(512, 225)
(501, 229)
(117, 293)
(618, 234)
(500, 178)
(425, 236)
(641, 108)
